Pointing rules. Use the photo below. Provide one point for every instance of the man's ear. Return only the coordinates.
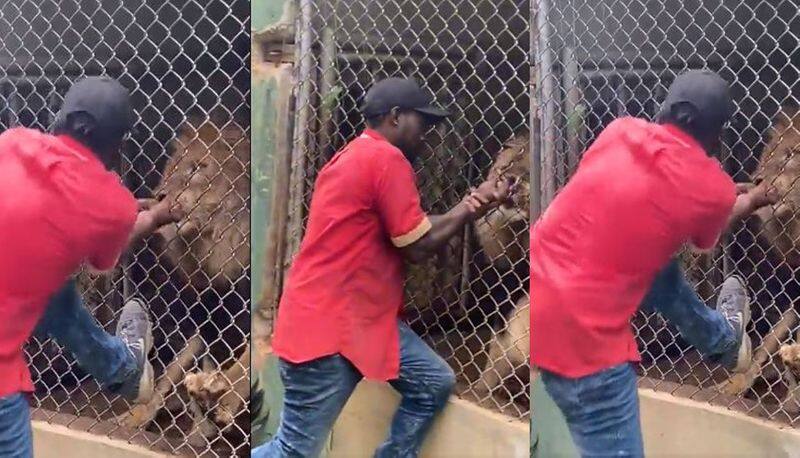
(685, 113)
(394, 116)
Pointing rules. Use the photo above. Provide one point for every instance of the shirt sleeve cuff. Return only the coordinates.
(701, 248)
(97, 268)
(413, 235)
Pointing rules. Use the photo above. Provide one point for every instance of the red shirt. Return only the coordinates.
(344, 291)
(59, 207)
(640, 192)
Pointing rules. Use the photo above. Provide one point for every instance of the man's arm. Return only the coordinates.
(151, 218)
(749, 198)
(444, 227)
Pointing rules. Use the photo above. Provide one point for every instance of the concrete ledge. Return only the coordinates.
(463, 429)
(55, 441)
(674, 426)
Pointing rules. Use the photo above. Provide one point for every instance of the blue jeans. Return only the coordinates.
(104, 357)
(16, 440)
(602, 409)
(316, 392)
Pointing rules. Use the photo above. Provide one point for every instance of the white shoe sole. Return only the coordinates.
(746, 348)
(744, 356)
(147, 380)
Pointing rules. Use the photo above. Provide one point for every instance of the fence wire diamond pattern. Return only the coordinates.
(601, 60)
(471, 302)
(186, 63)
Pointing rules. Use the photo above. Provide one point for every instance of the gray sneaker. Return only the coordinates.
(734, 304)
(136, 331)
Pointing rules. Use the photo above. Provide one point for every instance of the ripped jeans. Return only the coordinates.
(316, 392)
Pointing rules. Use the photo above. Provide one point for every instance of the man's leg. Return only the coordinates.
(601, 410)
(315, 393)
(719, 334)
(16, 438)
(425, 383)
(119, 363)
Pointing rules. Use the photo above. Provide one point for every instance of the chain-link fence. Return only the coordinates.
(471, 302)
(186, 63)
(597, 61)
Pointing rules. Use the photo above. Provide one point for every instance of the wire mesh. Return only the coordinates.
(598, 61)
(470, 303)
(186, 64)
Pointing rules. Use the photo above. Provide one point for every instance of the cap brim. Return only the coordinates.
(433, 112)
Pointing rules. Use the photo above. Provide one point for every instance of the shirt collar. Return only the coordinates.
(373, 134)
(684, 137)
(79, 149)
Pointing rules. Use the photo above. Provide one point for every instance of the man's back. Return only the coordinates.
(59, 207)
(641, 191)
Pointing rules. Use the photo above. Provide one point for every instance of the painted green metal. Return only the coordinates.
(267, 120)
(266, 418)
(549, 433)
(265, 13)
(264, 124)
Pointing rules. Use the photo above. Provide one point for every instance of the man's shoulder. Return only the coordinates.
(373, 147)
(99, 194)
(621, 134)
(24, 141)
(24, 133)
(630, 127)
(371, 155)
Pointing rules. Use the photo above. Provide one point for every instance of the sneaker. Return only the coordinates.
(734, 304)
(136, 331)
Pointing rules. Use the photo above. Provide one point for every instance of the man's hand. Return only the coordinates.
(146, 204)
(154, 215)
(750, 198)
(476, 204)
(166, 212)
(489, 195)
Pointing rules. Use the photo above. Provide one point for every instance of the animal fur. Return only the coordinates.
(504, 239)
(790, 356)
(208, 176)
(778, 169)
(209, 252)
(509, 350)
(739, 383)
(503, 232)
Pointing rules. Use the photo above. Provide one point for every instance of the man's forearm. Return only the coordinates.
(149, 221)
(443, 228)
(750, 199)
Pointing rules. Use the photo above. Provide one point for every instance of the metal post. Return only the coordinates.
(548, 100)
(536, 147)
(572, 108)
(303, 104)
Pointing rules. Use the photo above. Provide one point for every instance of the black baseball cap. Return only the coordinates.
(707, 92)
(106, 100)
(402, 93)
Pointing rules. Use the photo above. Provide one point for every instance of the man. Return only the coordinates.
(61, 206)
(598, 253)
(338, 316)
